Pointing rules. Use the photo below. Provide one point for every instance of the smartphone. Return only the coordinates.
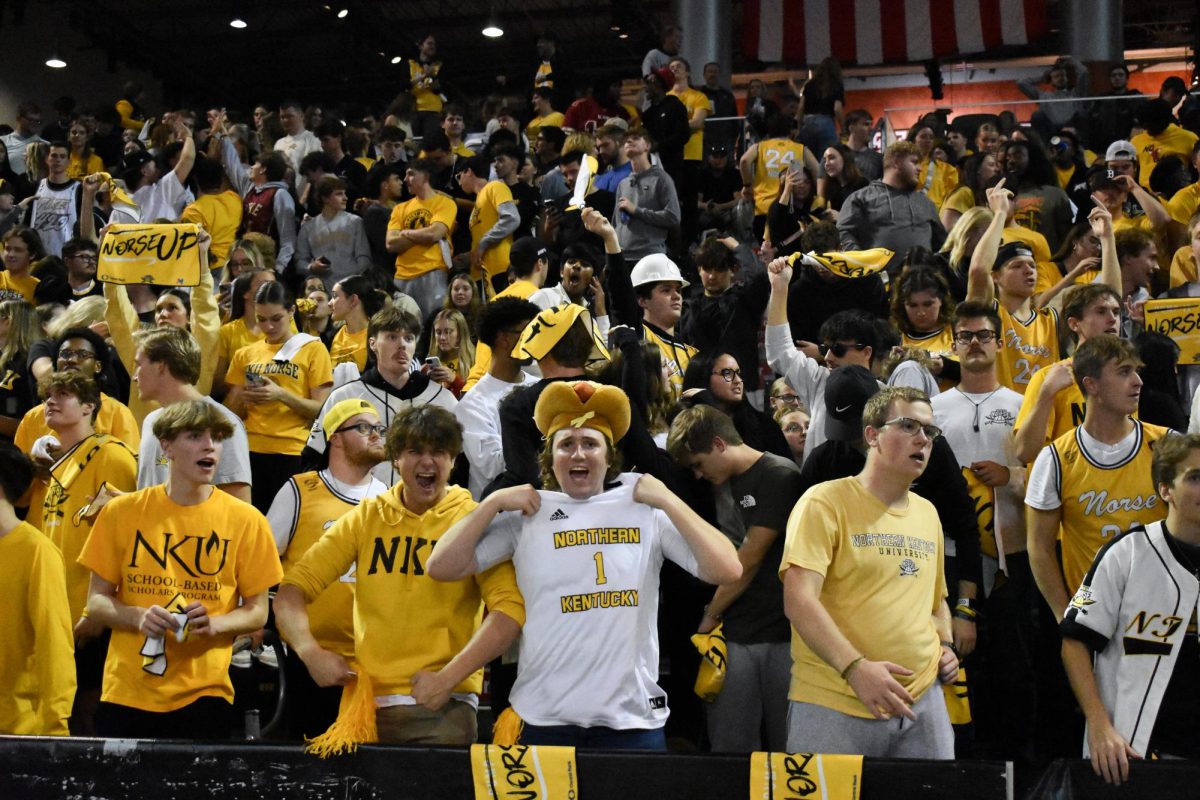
(433, 361)
(254, 379)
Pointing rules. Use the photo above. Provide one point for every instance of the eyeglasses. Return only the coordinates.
(965, 337)
(89, 257)
(786, 399)
(364, 429)
(794, 427)
(75, 355)
(912, 427)
(839, 349)
(729, 374)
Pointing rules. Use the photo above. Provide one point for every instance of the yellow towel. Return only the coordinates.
(831, 777)
(714, 658)
(528, 773)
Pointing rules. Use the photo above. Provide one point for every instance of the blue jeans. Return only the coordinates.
(597, 738)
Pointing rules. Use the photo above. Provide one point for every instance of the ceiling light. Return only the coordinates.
(396, 59)
(54, 62)
(237, 22)
(492, 30)
(345, 12)
(622, 35)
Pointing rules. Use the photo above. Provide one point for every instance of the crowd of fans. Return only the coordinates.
(389, 302)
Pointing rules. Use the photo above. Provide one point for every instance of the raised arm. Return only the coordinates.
(453, 557)
(1102, 226)
(980, 288)
(715, 555)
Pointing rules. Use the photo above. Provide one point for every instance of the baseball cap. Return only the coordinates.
(718, 149)
(526, 252)
(1120, 150)
(613, 124)
(1098, 178)
(654, 268)
(134, 160)
(1009, 251)
(336, 417)
(846, 394)
(665, 75)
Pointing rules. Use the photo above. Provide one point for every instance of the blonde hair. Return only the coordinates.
(580, 143)
(957, 239)
(192, 415)
(80, 314)
(23, 329)
(466, 348)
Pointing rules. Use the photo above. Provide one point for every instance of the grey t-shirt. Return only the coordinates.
(234, 466)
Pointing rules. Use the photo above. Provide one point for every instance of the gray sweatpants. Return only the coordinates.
(817, 729)
(753, 701)
(428, 289)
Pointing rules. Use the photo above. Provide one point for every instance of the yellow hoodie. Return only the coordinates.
(405, 621)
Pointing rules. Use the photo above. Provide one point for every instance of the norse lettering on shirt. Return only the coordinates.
(1013, 341)
(896, 544)
(275, 368)
(1097, 504)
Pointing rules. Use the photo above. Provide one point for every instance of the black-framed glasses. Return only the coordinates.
(790, 400)
(75, 355)
(839, 349)
(364, 429)
(729, 374)
(911, 427)
(965, 337)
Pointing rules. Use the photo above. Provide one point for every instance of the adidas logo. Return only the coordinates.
(557, 515)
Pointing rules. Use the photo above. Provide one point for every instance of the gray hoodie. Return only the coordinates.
(645, 230)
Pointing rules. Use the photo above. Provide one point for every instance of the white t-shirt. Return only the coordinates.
(589, 648)
(1042, 492)
(234, 466)
(478, 412)
(54, 214)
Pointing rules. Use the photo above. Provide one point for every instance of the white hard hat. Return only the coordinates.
(654, 268)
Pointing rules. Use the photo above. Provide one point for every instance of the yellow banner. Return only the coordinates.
(799, 776)
(163, 255)
(958, 701)
(1180, 320)
(525, 772)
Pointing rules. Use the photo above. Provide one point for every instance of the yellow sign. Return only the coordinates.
(1180, 320)
(163, 255)
(798, 776)
(525, 772)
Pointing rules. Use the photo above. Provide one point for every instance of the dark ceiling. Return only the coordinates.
(301, 48)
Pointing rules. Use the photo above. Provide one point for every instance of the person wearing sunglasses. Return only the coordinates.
(865, 592)
(977, 417)
(305, 507)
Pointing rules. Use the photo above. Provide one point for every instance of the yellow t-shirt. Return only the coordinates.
(962, 200)
(1140, 222)
(1183, 205)
(274, 427)
(37, 661)
(1100, 503)
(938, 186)
(693, 100)
(1029, 345)
(347, 347)
(939, 342)
(1151, 149)
(234, 336)
(883, 582)
(404, 621)
(17, 287)
(331, 615)
(484, 216)
(772, 160)
(1064, 175)
(77, 169)
(157, 552)
(415, 214)
(1183, 267)
(418, 76)
(554, 119)
(220, 214)
(74, 480)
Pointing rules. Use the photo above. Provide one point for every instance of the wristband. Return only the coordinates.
(851, 666)
(972, 618)
(950, 646)
(966, 602)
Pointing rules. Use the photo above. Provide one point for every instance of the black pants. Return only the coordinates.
(309, 709)
(269, 471)
(206, 718)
